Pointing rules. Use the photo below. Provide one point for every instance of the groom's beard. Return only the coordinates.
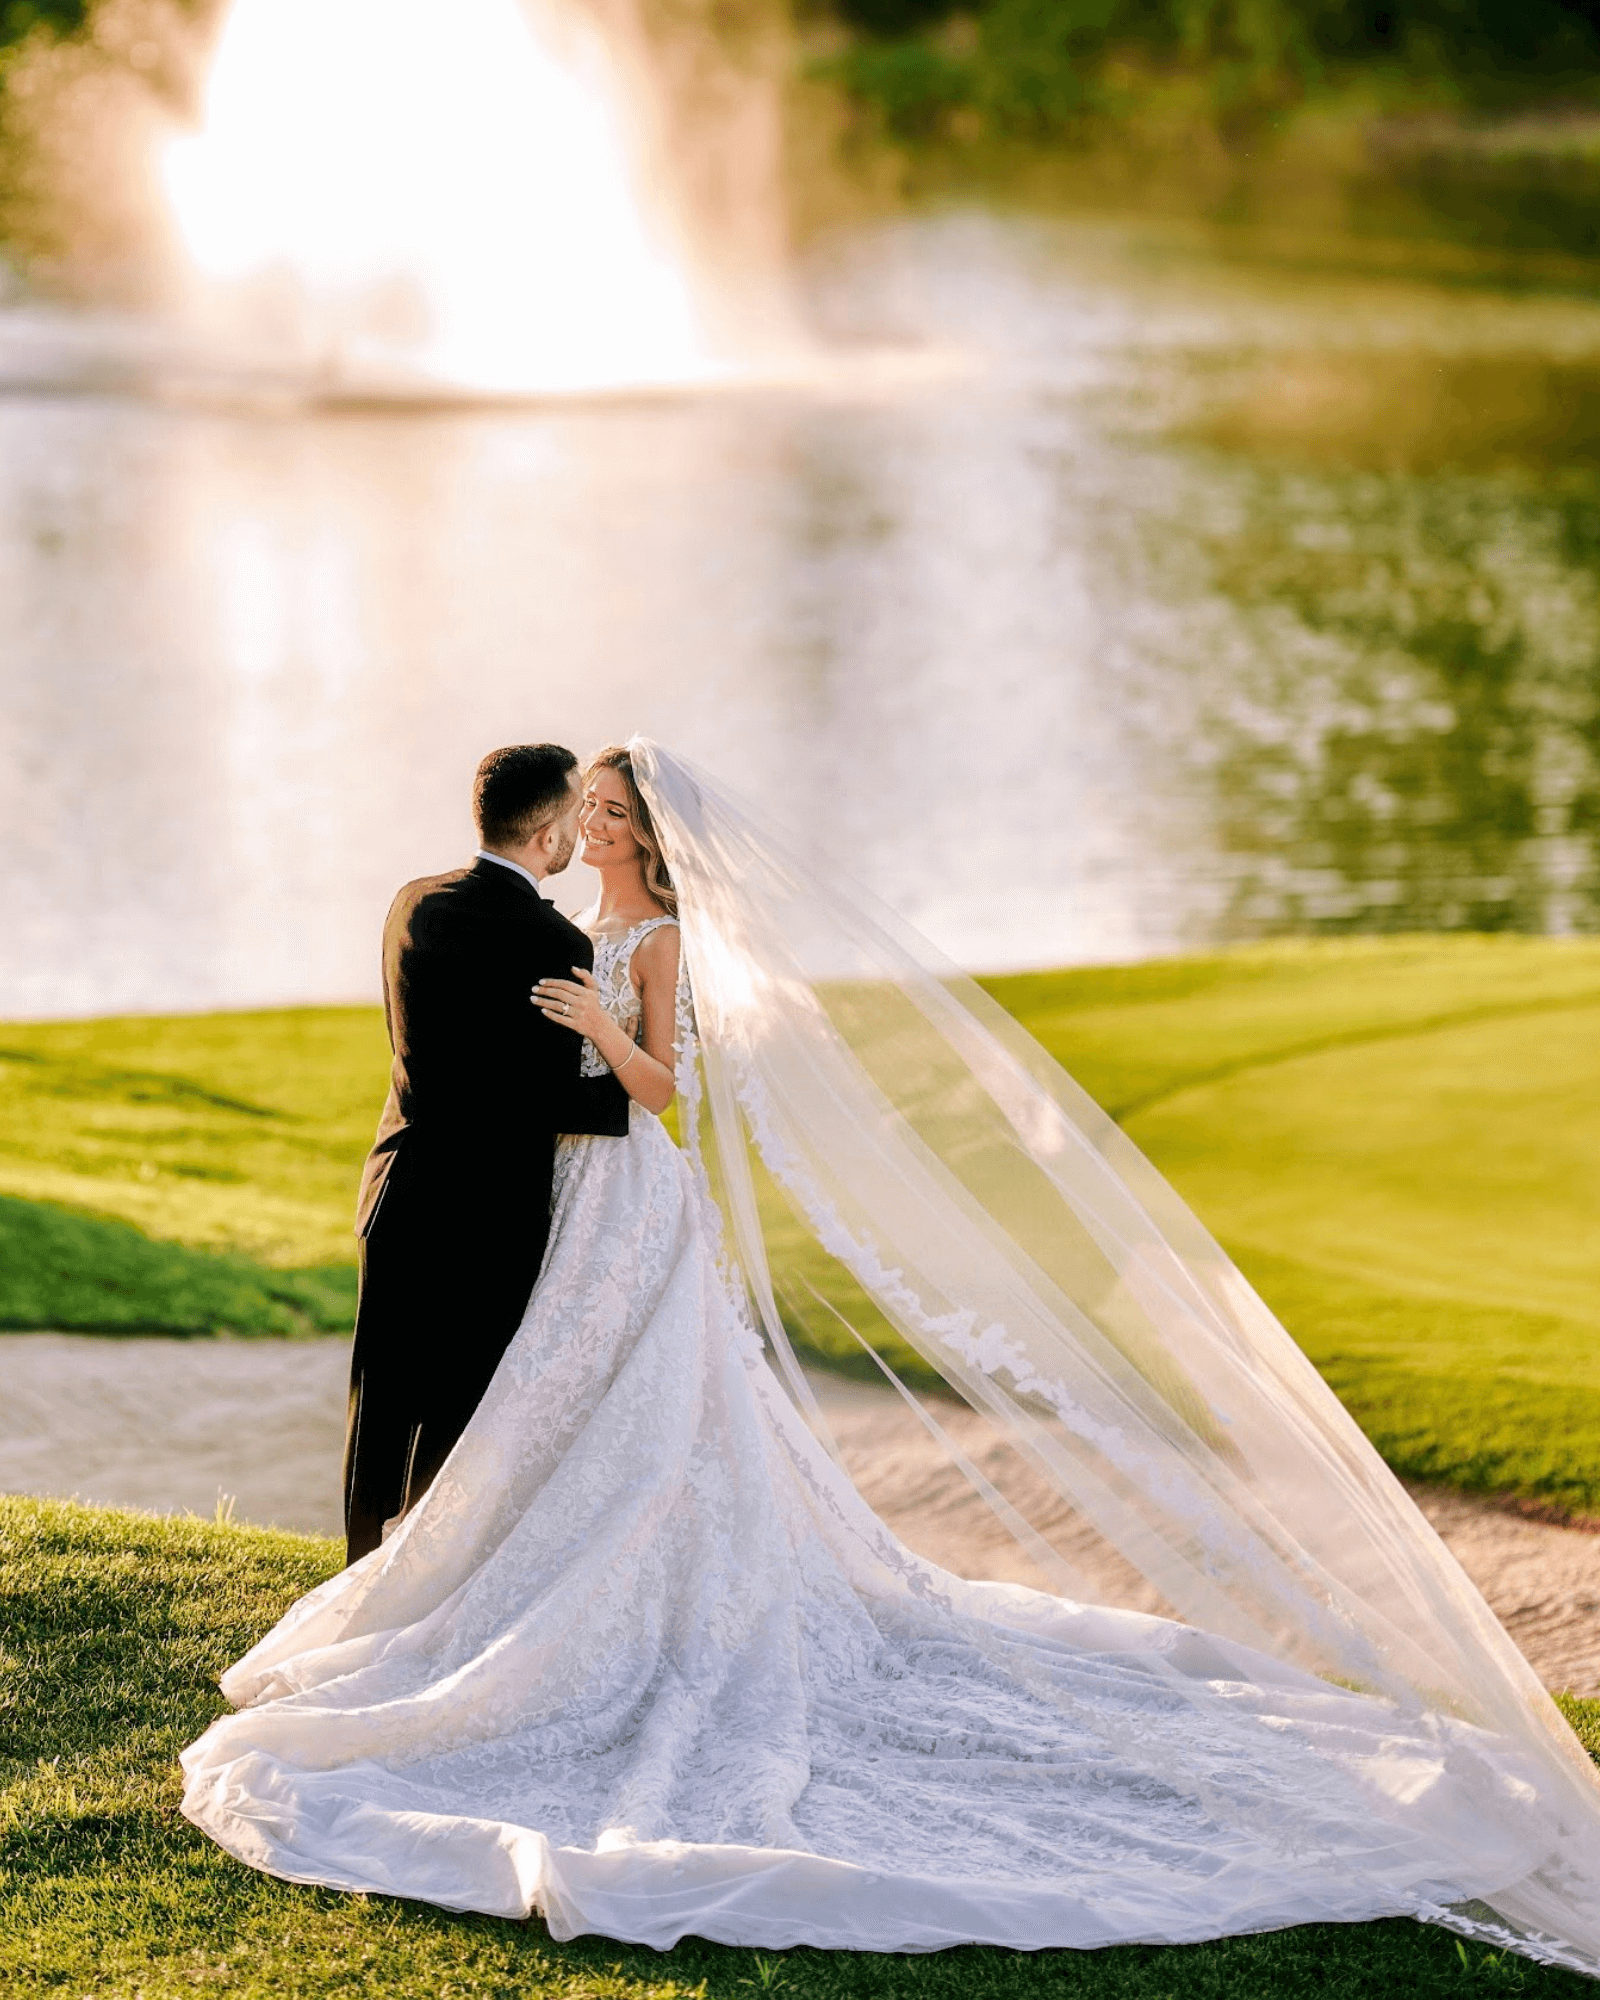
(562, 855)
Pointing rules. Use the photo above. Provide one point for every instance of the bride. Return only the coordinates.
(642, 1659)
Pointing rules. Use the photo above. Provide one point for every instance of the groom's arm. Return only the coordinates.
(569, 1101)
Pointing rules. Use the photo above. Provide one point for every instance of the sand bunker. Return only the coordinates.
(1542, 1581)
(178, 1426)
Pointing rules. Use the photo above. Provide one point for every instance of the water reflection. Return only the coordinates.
(1416, 412)
(1213, 606)
(1408, 551)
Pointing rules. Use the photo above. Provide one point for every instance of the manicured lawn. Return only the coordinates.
(62, 1268)
(241, 1132)
(113, 1630)
(186, 1174)
(1399, 1139)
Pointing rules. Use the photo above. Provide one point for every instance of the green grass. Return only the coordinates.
(113, 1630)
(188, 1174)
(1398, 1138)
(95, 1275)
(233, 1132)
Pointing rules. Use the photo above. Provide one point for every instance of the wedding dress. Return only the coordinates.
(643, 1661)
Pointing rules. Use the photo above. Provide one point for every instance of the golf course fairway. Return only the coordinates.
(1398, 1139)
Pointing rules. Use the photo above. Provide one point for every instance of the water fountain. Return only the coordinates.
(419, 198)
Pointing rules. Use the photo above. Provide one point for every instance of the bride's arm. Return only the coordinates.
(647, 1073)
(655, 974)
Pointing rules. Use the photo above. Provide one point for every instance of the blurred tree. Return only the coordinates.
(1036, 68)
(914, 86)
(61, 17)
(1039, 60)
(88, 91)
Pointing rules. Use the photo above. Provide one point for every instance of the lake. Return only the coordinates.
(1095, 594)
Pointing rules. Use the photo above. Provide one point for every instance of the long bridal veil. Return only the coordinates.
(901, 1167)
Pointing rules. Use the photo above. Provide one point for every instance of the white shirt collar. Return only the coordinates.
(516, 868)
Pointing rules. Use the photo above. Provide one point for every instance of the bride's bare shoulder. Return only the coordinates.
(656, 955)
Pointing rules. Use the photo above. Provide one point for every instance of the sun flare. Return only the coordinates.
(460, 174)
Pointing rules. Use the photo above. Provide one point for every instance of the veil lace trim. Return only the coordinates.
(890, 1155)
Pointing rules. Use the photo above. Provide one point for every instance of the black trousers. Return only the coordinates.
(445, 1281)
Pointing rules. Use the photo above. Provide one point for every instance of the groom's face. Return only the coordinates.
(563, 833)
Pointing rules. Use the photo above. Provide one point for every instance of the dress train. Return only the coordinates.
(644, 1661)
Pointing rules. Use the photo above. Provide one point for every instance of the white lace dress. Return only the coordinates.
(644, 1662)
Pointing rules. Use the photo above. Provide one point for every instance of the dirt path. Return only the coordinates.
(171, 1425)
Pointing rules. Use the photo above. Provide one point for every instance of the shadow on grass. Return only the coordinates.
(76, 1272)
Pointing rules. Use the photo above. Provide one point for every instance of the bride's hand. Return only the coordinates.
(574, 1005)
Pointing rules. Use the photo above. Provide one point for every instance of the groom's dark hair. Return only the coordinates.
(520, 789)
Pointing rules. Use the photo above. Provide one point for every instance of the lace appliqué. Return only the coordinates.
(613, 972)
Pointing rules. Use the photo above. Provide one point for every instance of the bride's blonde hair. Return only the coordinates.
(656, 879)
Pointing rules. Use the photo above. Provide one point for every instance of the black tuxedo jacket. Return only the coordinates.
(455, 1199)
(481, 1082)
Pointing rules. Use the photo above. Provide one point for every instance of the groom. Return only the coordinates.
(455, 1197)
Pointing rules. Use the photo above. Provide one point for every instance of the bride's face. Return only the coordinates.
(607, 835)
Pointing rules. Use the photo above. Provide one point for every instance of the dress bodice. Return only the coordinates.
(613, 972)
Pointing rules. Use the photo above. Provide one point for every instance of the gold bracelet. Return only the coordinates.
(618, 1068)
